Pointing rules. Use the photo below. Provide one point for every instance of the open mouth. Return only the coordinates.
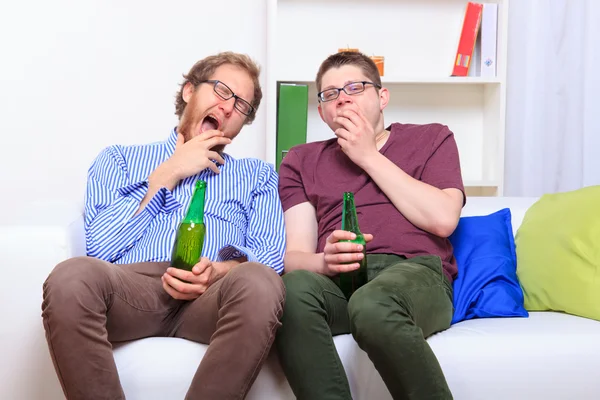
(209, 123)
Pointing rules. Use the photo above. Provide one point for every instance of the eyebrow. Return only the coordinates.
(345, 83)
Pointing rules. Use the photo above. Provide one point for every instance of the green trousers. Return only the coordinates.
(403, 303)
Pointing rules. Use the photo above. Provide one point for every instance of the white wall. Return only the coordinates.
(76, 76)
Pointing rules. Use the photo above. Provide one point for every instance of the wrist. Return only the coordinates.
(164, 176)
(370, 161)
(322, 269)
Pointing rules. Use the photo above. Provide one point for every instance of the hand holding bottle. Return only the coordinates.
(189, 285)
(341, 256)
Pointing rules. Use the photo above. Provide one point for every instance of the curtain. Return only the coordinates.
(553, 90)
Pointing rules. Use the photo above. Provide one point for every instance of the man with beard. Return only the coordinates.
(136, 196)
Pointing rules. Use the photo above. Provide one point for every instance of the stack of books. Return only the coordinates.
(476, 53)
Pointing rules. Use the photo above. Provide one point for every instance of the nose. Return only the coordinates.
(227, 106)
(343, 98)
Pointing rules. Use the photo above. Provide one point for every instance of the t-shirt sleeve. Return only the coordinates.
(442, 168)
(291, 186)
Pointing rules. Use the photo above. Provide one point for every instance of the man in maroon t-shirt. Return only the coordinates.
(409, 193)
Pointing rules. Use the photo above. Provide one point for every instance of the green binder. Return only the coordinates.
(292, 114)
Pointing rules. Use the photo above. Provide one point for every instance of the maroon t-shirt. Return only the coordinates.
(319, 172)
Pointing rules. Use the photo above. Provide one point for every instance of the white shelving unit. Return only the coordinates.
(418, 39)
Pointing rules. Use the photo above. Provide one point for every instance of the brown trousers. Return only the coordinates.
(89, 304)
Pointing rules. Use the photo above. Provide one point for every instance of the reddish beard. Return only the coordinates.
(188, 123)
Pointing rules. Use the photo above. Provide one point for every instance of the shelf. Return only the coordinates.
(450, 80)
(418, 39)
(481, 183)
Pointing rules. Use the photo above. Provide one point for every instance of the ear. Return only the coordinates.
(384, 98)
(188, 91)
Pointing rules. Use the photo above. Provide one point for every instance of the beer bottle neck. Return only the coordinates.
(195, 211)
(349, 216)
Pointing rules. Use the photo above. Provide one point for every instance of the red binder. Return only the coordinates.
(468, 36)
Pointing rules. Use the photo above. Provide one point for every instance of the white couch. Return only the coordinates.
(546, 356)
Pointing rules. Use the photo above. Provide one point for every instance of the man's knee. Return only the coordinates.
(73, 280)
(257, 278)
(302, 288)
(76, 270)
(258, 287)
(372, 307)
(372, 304)
(300, 281)
(398, 307)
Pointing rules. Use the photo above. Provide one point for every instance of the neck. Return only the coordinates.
(381, 138)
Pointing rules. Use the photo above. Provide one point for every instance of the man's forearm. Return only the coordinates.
(161, 177)
(425, 206)
(300, 260)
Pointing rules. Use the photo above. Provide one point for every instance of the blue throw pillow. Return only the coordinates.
(487, 284)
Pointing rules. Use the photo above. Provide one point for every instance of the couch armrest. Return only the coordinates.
(33, 239)
(54, 226)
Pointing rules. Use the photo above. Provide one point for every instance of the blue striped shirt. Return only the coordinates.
(243, 214)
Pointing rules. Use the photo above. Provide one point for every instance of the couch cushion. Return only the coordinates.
(558, 250)
(162, 368)
(487, 284)
(546, 356)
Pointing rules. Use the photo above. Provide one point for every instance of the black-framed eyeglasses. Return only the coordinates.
(224, 92)
(350, 89)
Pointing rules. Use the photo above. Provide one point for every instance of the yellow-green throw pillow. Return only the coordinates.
(558, 253)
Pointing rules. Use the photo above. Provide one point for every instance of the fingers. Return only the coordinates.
(210, 139)
(339, 234)
(206, 278)
(213, 155)
(209, 134)
(340, 268)
(180, 274)
(180, 290)
(201, 266)
(215, 141)
(175, 294)
(342, 133)
(353, 115)
(213, 167)
(343, 247)
(183, 277)
(348, 119)
(176, 284)
(343, 258)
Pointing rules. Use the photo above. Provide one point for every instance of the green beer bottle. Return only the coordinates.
(349, 282)
(189, 238)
